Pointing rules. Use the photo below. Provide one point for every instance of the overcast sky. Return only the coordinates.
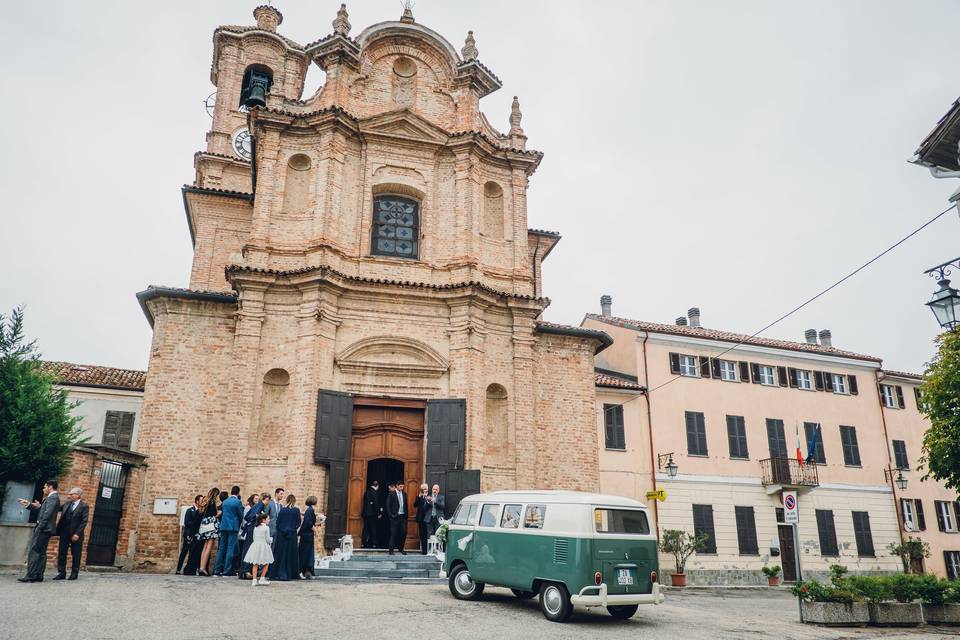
(736, 156)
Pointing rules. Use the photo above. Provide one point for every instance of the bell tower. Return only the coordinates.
(249, 63)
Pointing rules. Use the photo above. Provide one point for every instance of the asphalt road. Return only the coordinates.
(144, 607)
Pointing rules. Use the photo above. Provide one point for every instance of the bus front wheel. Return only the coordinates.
(623, 611)
(555, 602)
(462, 585)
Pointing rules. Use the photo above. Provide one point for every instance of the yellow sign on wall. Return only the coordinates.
(660, 495)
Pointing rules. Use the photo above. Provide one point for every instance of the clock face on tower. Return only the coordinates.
(242, 144)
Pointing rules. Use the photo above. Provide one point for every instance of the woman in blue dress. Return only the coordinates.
(286, 558)
(306, 539)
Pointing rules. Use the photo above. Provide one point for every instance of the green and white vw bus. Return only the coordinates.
(570, 548)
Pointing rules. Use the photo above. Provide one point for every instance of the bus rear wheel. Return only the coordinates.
(462, 585)
(523, 595)
(555, 602)
(623, 611)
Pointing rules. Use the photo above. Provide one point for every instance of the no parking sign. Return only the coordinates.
(791, 509)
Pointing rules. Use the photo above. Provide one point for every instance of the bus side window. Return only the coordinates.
(511, 516)
(488, 515)
(533, 519)
(466, 513)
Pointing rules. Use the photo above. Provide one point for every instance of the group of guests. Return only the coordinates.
(67, 521)
(428, 507)
(266, 538)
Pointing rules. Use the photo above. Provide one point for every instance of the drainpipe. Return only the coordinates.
(653, 470)
(533, 261)
(886, 442)
(253, 157)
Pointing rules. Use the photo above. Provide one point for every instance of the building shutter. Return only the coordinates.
(941, 525)
(746, 531)
(696, 434)
(818, 380)
(111, 429)
(613, 426)
(852, 379)
(782, 376)
(703, 523)
(332, 449)
(828, 381)
(457, 485)
(715, 362)
(900, 402)
(125, 436)
(446, 438)
(827, 533)
(744, 371)
(861, 531)
(704, 367)
(793, 377)
(754, 373)
(918, 508)
(900, 454)
(851, 450)
(776, 438)
(916, 397)
(950, 560)
(737, 437)
(675, 364)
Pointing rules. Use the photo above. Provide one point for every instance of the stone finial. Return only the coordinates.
(341, 24)
(268, 18)
(515, 116)
(469, 50)
(407, 12)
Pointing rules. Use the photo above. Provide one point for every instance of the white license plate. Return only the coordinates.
(624, 576)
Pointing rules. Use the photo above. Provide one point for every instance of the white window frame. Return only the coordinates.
(804, 380)
(728, 370)
(689, 366)
(889, 396)
(953, 557)
(768, 376)
(946, 512)
(906, 510)
(839, 383)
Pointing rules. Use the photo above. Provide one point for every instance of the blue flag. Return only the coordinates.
(812, 447)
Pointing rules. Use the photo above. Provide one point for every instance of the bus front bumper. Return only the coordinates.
(598, 597)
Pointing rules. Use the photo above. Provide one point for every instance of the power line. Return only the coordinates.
(815, 297)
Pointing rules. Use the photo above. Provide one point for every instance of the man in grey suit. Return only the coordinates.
(46, 527)
(274, 510)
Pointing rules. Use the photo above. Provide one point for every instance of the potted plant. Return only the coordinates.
(830, 605)
(681, 545)
(941, 600)
(773, 575)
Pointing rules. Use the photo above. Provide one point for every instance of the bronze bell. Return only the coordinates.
(255, 87)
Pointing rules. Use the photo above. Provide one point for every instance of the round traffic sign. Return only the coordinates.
(790, 502)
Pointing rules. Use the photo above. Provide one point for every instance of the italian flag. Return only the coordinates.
(796, 429)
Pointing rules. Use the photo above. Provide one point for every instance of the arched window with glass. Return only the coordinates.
(396, 227)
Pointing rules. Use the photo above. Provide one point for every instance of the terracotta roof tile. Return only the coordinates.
(86, 375)
(607, 380)
(727, 336)
(578, 332)
(902, 374)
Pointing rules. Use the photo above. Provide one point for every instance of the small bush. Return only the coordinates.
(873, 589)
(951, 592)
(904, 587)
(814, 591)
(771, 572)
(931, 589)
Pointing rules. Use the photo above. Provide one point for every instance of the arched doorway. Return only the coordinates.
(385, 471)
(388, 441)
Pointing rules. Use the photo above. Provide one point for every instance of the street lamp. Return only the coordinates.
(945, 302)
(671, 465)
(900, 481)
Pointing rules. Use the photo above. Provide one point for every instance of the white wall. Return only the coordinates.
(93, 407)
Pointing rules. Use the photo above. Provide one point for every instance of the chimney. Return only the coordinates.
(826, 340)
(605, 303)
(811, 336)
(682, 321)
(694, 314)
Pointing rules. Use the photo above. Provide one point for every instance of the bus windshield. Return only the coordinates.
(621, 521)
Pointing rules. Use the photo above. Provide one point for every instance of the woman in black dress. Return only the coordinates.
(286, 558)
(209, 529)
(306, 538)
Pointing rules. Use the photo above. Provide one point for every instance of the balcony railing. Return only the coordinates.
(788, 472)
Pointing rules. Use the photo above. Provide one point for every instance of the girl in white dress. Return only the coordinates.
(260, 555)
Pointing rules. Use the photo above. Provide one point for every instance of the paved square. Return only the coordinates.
(145, 607)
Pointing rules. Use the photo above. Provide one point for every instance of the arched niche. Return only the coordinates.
(274, 415)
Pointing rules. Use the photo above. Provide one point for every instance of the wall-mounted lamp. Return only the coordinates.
(671, 466)
(900, 481)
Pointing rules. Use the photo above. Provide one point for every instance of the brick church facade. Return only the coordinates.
(365, 294)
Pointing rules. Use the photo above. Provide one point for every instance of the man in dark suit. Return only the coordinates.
(231, 517)
(434, 510)
(46, 527)
(372, 511)
(191, 526)
(70, 528)
(397, 512)
(423, 517)
(273, 510)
